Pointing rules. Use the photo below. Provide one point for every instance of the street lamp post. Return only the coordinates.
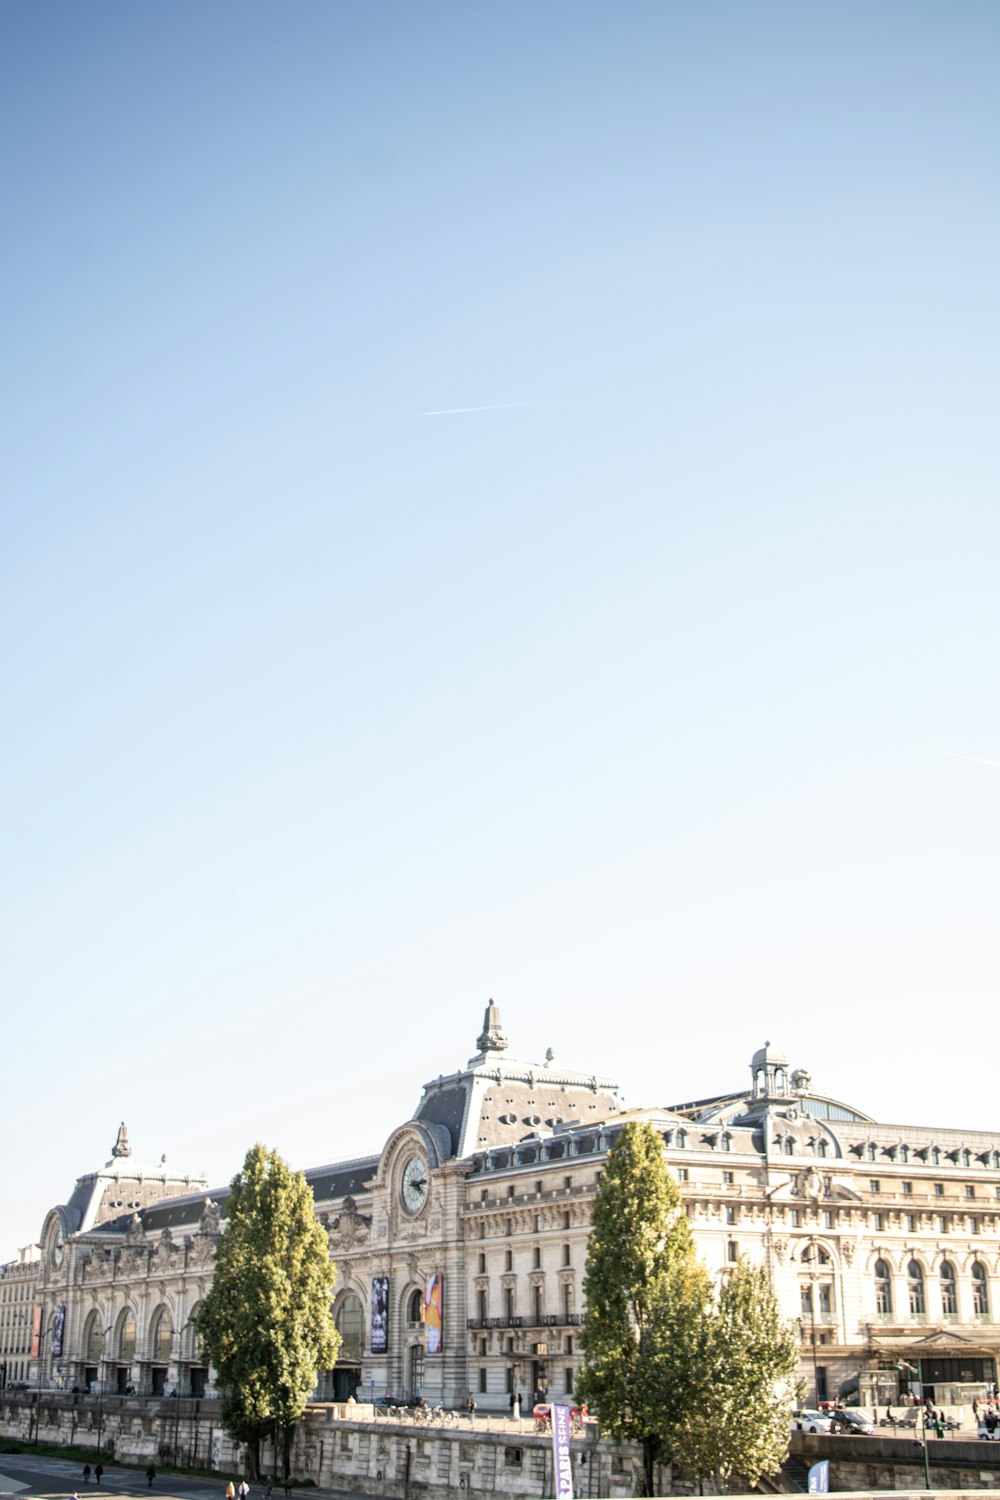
(42, 1331)
(909, 1369)
(100, 1390)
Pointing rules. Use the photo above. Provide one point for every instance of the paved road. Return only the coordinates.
(25, 1475)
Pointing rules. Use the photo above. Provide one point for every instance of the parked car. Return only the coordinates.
(808, 1420)
(852, 1419)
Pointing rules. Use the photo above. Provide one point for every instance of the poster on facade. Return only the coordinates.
(434, 1313)
(36, 1332)
(59, 1323)
(380, 1314)
(562, 1463)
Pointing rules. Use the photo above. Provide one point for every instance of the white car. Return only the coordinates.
(807, 1420)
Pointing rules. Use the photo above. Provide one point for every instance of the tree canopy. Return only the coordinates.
(741, 1429)
(265, 1324)
(648, 1298)
(700, 1384)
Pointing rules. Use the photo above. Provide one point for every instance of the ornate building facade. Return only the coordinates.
(460, 1246)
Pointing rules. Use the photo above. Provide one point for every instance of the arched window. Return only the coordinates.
(93, 1339)
(415, 1306)
(915, 1286)
(883, 1287)
(727, 1141)
(758, 1081)
(190, 1337)
(871, 1150)
(904, 1153)
(126, 1338)
(980, 1290)
(821, 1147)
(789, 1146)
(966, 1158)
(161, 1337)
(935, 1156)
(349, 1319)
(949, 1296)
(682, 1138)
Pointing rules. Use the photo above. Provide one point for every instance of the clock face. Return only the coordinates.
(57, 1246)
(414, 1184)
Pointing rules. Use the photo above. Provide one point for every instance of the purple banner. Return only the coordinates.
(562, 1464)
(380, 1314)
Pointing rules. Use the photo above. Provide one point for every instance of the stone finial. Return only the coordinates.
(121, 1146)
(493, 1038)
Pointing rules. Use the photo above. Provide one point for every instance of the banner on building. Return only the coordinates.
(562, 1463)
(36, 1332)
(380, 1314)
(59, 1323)
(434, 1313)
(819, 1477)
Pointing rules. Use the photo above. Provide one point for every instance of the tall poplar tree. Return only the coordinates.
(648, 1303)
(265, 1324)
(751, 1357)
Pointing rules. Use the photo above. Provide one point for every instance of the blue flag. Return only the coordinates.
(819, 1477)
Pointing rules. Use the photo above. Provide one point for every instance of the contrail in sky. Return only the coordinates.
(957, 755)
(454, 411)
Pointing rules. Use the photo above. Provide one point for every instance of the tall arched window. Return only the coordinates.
(789, 1146)
(915, 1286)
(821, 1147)
(415, 1306)
(883, 1287)
(980, 1290)
(93, 1339)
(949, 1296)
(126, 1338)
(161, 1339)
(935, 1156)
(350, 1322)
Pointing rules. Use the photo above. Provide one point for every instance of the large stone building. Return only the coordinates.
(460, 1245)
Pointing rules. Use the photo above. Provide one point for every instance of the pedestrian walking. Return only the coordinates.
(98, 1472)
(268, 1488)
(150, 1476)
(230, 1491)
(288, 1486)
(244, 1490)
(86, 1473)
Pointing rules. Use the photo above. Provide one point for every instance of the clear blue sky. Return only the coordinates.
(621, 701)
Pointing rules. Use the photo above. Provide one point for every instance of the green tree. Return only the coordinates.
(648, 1302)
(751, 1356)
(265, 1323)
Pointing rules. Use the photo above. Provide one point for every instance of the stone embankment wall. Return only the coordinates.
(340, 1446)
(865, 1464)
